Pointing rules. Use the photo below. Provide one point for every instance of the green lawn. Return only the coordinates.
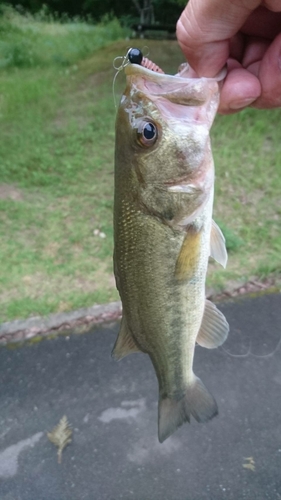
(56, 185)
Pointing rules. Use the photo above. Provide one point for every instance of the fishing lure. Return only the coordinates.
(133, 56)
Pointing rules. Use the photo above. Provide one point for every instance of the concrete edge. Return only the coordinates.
(19, 330)
(83, 319)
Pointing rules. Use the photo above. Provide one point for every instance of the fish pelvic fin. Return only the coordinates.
(125, 343)
(214, 327)
(217, 245)
(197, 402)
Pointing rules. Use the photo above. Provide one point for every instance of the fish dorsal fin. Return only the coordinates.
(217, 245)
(189, 255)
(214, 327)
(125, 343)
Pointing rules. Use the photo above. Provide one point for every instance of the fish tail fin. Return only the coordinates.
(172, 413)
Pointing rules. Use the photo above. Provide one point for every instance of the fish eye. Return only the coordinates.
(147, 134)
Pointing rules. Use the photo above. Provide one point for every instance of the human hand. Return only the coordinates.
(245, 34)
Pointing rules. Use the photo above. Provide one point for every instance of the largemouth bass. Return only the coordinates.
(164, 234)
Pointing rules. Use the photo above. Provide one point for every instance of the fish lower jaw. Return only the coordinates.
(184, 188)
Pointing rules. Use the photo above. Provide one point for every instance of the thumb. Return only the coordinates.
(205, 28)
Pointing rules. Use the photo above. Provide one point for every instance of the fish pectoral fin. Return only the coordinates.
(214, 327)
(189, 255)
(217, 245)
(125, 343)
(197, 401)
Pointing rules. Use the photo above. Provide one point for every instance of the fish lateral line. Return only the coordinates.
(162, 233)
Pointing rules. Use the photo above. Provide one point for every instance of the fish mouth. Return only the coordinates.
(182, 185)
(180, 89)
(190, 189)
(184, 72)
(153, 76)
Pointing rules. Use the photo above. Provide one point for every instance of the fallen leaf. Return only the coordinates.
(60, 436)
(250, 464)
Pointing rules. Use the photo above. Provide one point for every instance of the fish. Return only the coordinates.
(164, 234)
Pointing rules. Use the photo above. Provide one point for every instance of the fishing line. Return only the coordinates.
(146, 50)
(124, 61)
(268, 355)
(133, 56)
(249, 353)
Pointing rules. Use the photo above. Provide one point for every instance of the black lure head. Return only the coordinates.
(135, 56)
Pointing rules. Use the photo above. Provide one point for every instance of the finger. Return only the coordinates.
(270, 76)
(204, 30)
(273, 5)
(236, 46)
(239, 90)
(254, 50)
(254, 68)
(263, 23)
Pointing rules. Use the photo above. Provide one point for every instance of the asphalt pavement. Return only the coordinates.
(112, 408)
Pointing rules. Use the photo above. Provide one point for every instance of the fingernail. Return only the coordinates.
(242, 103)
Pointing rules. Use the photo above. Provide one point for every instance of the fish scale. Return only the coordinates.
(164, 234)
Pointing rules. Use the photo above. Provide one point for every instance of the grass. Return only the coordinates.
(247, 154)
(42, 40)
(56, 186)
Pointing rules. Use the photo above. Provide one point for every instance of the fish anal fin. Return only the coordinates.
(217, 245)
(125, 343)
(189, 255)
(197, 402)
(214, 327)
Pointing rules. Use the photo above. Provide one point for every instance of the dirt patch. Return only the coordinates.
(96, 80)
(40, 284)
(88, 90)
(10, 192)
